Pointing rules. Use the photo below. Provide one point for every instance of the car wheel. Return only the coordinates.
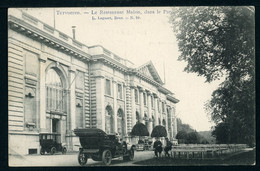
(106, 157)
(42, 152)
(53, 150)
(64, 150)
(82, 159)
(130, 156)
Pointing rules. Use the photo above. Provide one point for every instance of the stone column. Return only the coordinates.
(126, 117)
(156, 109)
(115, 105)
(170, 118)
(159, 105)
(72, 75)
(100, 103)
(42, 98)
(141, 105)
(133, 106)
(149, 112)
(174, 120)
(166, 118)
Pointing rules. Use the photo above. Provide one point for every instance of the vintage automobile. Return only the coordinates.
(99, 146)
(51, 143)
(143, 145)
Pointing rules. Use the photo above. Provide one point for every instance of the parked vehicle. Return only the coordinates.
(51, 143)
(143, 145)
(99, 146)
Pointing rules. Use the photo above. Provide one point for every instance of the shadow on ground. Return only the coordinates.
(245, 158)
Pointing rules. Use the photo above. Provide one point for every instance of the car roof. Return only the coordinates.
(88, 131)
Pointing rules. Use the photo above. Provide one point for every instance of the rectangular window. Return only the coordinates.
(108, 87)
(119, 91)
(152, 101)
(136, 96)
(163, 107)
(80, 80)
(144, 99)
(30, 107)
(158, 105)
(79, 113)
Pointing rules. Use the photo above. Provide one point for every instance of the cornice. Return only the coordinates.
(172, 99)
(47, 38)
(44, 37)
(109, 61)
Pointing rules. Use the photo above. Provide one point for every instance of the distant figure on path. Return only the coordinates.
(157, 147)
(168, 147)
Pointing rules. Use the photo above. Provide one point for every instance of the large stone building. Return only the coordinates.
(56, 84)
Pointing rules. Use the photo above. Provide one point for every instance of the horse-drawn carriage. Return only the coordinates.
(99, 146)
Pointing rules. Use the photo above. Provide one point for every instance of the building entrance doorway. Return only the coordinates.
(55, 126)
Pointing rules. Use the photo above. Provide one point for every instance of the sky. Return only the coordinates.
(141, 35)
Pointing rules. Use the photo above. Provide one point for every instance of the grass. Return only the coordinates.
(244, 158)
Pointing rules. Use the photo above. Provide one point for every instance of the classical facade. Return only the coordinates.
(57, 84)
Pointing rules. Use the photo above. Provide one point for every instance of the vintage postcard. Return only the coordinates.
(131, 86)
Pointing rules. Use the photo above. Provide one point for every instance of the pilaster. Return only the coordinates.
(133, 105)
(115, 105)
(42, 105)
(72, 76)
(174, 120)
(156, 110)
(142, 105)
(149, 112)
(100, 103)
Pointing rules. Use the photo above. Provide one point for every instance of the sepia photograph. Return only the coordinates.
(131, 86)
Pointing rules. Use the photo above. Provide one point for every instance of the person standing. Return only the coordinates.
(168, 147)
(157, 147)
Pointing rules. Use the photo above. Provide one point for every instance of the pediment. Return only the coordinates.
(149, 71)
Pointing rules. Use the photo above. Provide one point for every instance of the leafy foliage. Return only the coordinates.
(214, 40)
(159, 131)
(188, 135)
(219, 42)
(183, 127)
(139, 130)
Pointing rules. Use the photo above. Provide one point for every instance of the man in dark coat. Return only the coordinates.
(157, 147)
(168, 147)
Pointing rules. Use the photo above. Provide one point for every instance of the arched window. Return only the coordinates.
(136, 96)
(153, 121)
(120, 122)
(152, 105)
(146, 121)
(159, 121)
(144, 96)
(109, 120)
(137, 117)
(164, 123)
(169, 118)
(55, 97)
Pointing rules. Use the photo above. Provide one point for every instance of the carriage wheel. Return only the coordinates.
(106, 157)
(42, 152)
(53, 150)
(82, 159)
(64, 150)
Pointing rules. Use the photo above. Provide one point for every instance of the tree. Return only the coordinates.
(219, 42)
(139, 129)
(159, 131)
(193, 138)
(182, 136)
(183, 127)
(221, 133)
